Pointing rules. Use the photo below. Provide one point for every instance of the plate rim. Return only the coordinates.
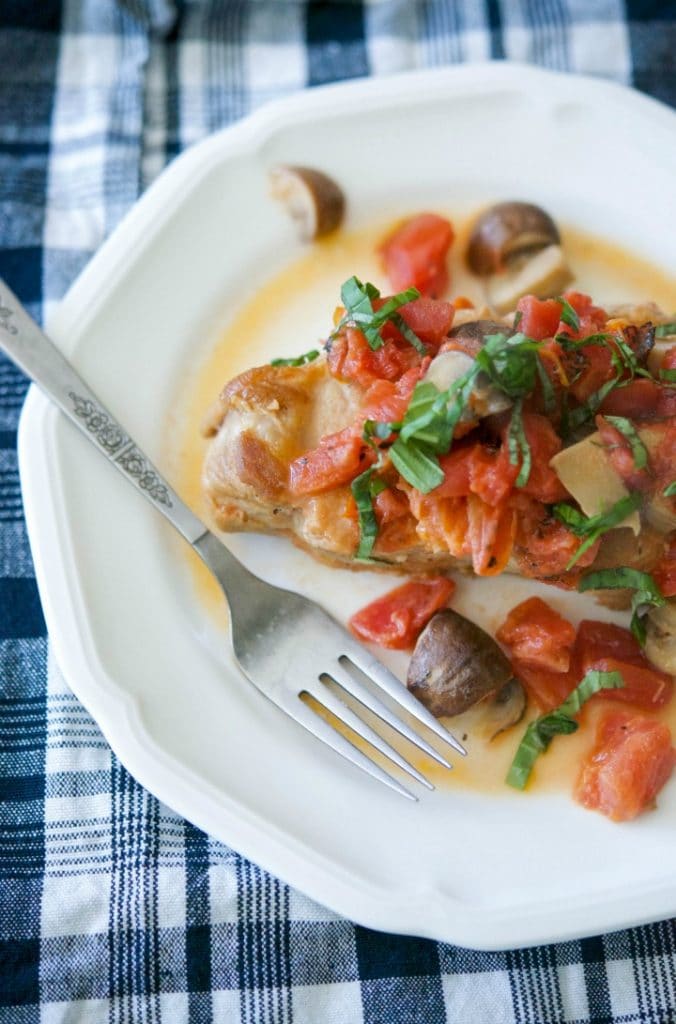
(280, 853)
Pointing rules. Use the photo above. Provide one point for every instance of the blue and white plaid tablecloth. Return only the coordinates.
(112, 908)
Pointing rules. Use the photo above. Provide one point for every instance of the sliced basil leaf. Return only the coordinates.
(593, 527)
(646, 592)
(665, 330)
(587, 411)
(358, 298)
(519, 448)
(548, 392)
(670, 490)
(510, 362)
(541, 731)
(668, 375)
(568, 314)
(307, 357)
(416, 464)
(363, 493)
(628, 430)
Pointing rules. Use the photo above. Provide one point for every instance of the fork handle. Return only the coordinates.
(32, 351)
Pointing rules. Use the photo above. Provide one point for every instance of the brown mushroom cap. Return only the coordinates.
(506, 231)
(472, 335)
(314, 200)
(455, 665)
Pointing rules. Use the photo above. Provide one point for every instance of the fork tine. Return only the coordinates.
(396, 689)
(362, 693)
(308, 718)
(347, 716)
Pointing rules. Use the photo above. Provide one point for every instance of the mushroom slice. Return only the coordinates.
(543, 275)
(485, 400)
(507, 231)
(455, 665)
(660, 645)
(315, 202)
(473, 333)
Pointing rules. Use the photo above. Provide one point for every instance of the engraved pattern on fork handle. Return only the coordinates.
(119, 446)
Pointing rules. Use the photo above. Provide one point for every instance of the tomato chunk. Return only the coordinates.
(539, 317)
(545, 545)
(544, 443)
(546, 689)
(538, 636)
(664, 572)
(592, 318)
(429, 319)
(351, 358)
(415, 254)
(387, 401)
(632, 760)
(338, 460)
(621, 456)
(644, 686)
(641, 399)
(606, 640)
(396, 619)
(606, 647)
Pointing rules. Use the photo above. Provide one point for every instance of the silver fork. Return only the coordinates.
(285, 644)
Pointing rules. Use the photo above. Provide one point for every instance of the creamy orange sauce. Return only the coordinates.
(290, 314)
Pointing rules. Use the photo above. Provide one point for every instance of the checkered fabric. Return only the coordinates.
(112, 908)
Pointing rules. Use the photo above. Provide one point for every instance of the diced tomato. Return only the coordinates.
(644, 686)
(592, 318)
(664, 572)
(544, 443)
(641, 399)
(396, 619)
(619, 452)
(491, 531)
(492, 475)
(351, 358)
(632, 760)
(606, 640)
(589, 368)
(539, 317)
(474, 468)
(389, 505)
(456, 468)
(429, 319)
(462, 302)
(538, 636)
(387, 401)
(544, 545)
(605, 647)
(338, 460)
(384, 402)
(546, 689)
(415, 254)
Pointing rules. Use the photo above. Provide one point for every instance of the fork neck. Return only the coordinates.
(227, 569)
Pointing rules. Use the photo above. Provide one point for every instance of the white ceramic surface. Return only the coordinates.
(481, 870)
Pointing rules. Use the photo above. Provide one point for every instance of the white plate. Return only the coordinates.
(486, 871)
